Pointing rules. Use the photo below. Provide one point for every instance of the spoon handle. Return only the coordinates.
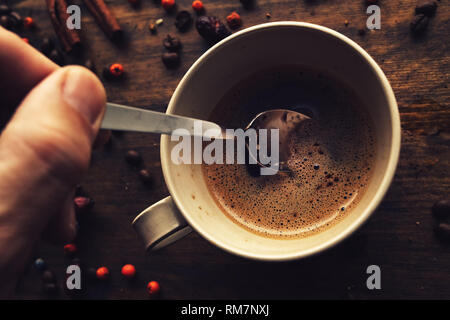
(119, 117)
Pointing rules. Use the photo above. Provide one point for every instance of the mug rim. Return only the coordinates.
(394, 152)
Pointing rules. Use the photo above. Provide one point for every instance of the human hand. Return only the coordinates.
(44, 149)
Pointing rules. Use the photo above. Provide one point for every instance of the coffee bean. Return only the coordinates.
(50, 288)
(76, 261)
(419, 24)
(247, 4)
(106, 74)
(428, 9)
(183, 20)
(133, 157)
(211, 29)
(48, 277)
(145, 176)
(443, 231)
(4, 9)
(56, 57)
(17, 17)
(89, 64)
(47, 46)
(441, 209)
(7, 22)
(170, 59)
(171, 43)
(91, 275)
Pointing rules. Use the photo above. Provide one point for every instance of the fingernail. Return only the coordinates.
(83, 92)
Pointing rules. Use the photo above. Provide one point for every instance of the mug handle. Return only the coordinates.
(160, 224)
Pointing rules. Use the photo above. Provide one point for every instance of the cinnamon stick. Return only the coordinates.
(105, 18)
(70, 38)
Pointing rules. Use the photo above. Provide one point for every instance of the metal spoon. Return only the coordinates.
(119, 117)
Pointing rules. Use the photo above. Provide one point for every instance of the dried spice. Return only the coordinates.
(428, 9)
(170, 59)
(82, 204)
(48, 277)
(442, 231)
(153, 288)
(128, 271)
(134, 2)
(91, 275)
(171, 43)
(169, 5)
(152, 27)
(50, 288)
(234, 20)
(39, 263)
(419, 24)
(116, 70)
(441, 209)
(197, 5)
(102, 273)
(247, 4)
(69, 38)
(7, 22)
(145, 176)
(56, 57)
(4, 9)
(183, 20)
(17, 17)
(70, 249)
(47, 46)
(133, 157)
(105, 19)
(211, 29)
(89, 64)
(29, 23)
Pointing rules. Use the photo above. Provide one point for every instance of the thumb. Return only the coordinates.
(45, 149)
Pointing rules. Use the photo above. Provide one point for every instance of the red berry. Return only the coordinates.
(153, 288)
(28, 22)
(102, 273)
(116, 70)
(70, 249)
(197, 5)
(234, 20)
(82, 204)
(128, 271)
(168, 4)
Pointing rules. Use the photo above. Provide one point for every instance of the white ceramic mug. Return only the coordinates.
(210, 77)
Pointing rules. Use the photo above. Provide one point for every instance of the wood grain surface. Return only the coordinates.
(399, 236)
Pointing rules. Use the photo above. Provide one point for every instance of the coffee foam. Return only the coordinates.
(331, 158)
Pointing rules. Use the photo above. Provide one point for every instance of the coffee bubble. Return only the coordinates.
(330, 163)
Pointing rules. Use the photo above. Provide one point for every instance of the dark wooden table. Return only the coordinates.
(399, 237)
